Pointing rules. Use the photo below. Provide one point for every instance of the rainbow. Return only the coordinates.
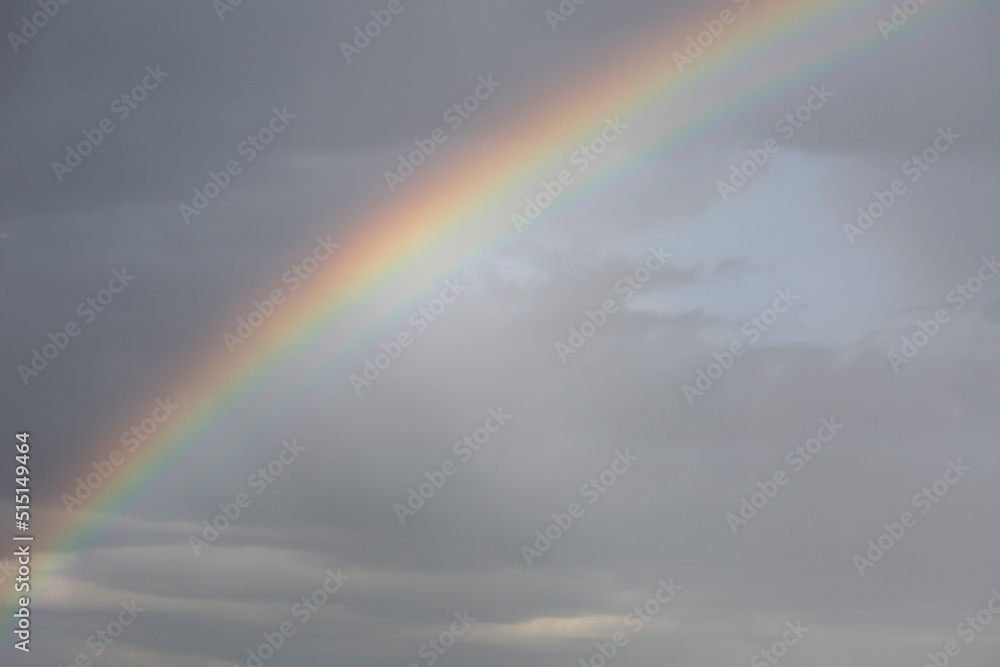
(450, 219)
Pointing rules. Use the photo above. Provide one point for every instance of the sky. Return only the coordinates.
(679, 418)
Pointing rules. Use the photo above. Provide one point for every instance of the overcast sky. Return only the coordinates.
(722, 394)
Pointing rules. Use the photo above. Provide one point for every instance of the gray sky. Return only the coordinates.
(486, 412)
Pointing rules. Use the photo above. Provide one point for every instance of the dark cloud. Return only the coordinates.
(497, 346)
